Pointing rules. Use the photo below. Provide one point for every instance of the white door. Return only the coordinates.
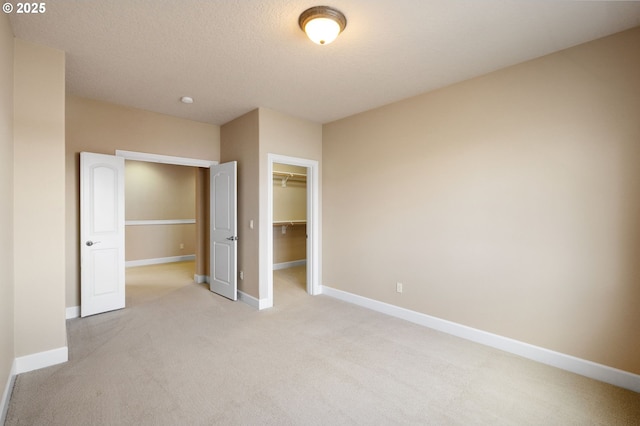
(223, 238)
(101, 233)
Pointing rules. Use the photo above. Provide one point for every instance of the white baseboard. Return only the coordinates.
(200, 279)
(44, 359)
(159, 222)
(603, 373)
(158, 260)
(253, 301)
(6, 395)
(248, 299)
(285, 265)
(265, 304)
(73, 312)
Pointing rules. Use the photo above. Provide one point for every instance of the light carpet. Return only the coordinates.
(181, 355)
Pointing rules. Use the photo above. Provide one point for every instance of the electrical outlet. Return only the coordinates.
(398, 287)
(242, 275)
(181, 246)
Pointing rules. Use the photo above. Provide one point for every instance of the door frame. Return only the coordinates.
(165, 159)
(313, 226)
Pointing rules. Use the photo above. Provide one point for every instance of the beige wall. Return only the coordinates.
(239, 142)
(39, 198)
(155, 191)
(290, 246)
(6, 206)
(508, 203)
(249, 139)
(284, 135)
(144, 242)
(102, 127)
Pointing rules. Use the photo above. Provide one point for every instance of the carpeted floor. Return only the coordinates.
(181, 355)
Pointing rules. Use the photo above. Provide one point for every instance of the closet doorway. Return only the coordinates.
(160, 213)
(289, 230)
(293, 211)
(160, 228)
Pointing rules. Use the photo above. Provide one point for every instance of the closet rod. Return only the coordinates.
(289, 222)
(289, 174)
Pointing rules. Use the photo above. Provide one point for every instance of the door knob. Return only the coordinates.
(90, 243)
(232, 238)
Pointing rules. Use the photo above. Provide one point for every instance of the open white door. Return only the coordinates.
(102, 285)
(223, 229)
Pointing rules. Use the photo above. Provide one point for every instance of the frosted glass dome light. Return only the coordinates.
(322, 24)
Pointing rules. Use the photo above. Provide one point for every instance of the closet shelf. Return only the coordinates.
(286, 176)
(289, 222)
(291, 175)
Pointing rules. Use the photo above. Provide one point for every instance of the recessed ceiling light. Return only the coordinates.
(186, 100)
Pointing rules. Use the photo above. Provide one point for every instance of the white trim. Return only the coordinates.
(248, 299)
(603, 373)
(285, 265)
(159, 222)
(158, 260)
(164, 159)
(6, 395)
(252, 301)
(265, 304)
(200, 279)
(313, 229)
(27, 363)
(73, 312)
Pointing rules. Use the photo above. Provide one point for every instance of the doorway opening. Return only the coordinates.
(216, 209)
(289, 230)
(293, 181)
(161, 235)
(160, 213)
(175, 219)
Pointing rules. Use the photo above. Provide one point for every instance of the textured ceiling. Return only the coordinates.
(234, 56)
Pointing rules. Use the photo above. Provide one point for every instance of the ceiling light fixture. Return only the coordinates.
(186, 100)
(322, 23)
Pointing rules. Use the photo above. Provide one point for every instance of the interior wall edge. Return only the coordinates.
(7, 280)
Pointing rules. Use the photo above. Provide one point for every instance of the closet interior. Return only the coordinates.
(289, 216)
